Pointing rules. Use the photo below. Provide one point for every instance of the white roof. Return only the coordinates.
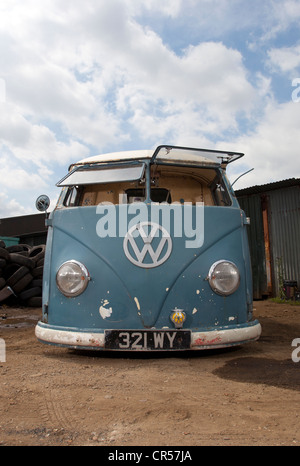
(166, 153)
(116, 156)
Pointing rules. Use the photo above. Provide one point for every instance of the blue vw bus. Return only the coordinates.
(148, 251)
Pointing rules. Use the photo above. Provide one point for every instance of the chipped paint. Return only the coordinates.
(105, 312)
(137, 303)
(198, 291)
(206, 341)
(194, 311)
(231, 318)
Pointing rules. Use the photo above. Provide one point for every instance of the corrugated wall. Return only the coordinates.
(274, 235)
(252, 208)
(284, 224)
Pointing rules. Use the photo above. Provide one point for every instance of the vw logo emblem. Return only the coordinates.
(155, 241)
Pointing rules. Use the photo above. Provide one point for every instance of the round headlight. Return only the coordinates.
(72, 278)
(224, 277)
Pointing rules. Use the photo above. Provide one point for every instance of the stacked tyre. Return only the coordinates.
(21, 274)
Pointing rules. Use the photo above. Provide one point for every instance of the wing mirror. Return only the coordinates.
(42, 203)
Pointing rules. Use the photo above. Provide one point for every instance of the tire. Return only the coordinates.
(10, 269)
(31, 293)
(35, 250)
(38, 272)
(15, 277)
(5, 293)
(21, 284)
(23, 253)
(37, 253)
(25, 247)
(37, 282)
(2, 283)
(14, 248)
(36, 301)
(22, 260)
(2, 263)
(4, 254)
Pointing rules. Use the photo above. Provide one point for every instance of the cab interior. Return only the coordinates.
(168, 184)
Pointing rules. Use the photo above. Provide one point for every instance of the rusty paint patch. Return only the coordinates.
(204, 341)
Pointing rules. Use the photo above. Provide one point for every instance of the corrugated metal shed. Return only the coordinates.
(252, 207)
(274, 210)
(30, 229)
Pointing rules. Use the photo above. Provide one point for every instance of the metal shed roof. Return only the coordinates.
(269, 187)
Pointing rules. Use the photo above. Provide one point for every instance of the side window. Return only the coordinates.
(219, 192)
(72, 197)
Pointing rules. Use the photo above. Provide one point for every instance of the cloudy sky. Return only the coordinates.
(83, 78)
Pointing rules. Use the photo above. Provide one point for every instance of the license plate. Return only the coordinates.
(141, 340)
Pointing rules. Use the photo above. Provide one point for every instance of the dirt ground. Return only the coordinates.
(248, 395)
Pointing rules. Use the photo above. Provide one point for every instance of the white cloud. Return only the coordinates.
(283, 14)
(34, 142)
(20, 179)
(102, 69)
(285, 59)
(10, 207)
(272, 149)
(170, 8)
(203, 90)
(88, 77)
